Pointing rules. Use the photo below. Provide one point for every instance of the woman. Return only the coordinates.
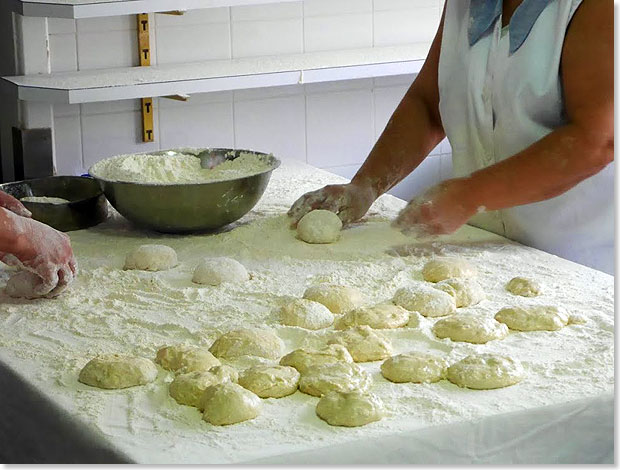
(524, 91)
(36, 247)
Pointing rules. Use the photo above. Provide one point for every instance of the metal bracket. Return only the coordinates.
(144, 50)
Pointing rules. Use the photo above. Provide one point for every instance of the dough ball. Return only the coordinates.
(363, 343)
(306, 314)
(187, 389)
(216, 271)
(183, 358)
(535, 318)
(415, 320)
(466, 291)
(576, 319)
(439, 269)
(307, 359)
(247, 342)
(486, 371)
(349, 409)
(523, 286)
(151, 258)
(113, 371)
(27, 285)
(470, 329)
(271, 381)
(416, 367)
(426, 300)
(319, 226)
(381, 316)
(229, 403)
(337, 377)
(338, 299)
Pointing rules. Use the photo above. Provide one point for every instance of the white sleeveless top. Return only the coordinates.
(495, 101)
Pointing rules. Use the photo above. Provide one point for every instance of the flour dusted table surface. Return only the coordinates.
(563, 410)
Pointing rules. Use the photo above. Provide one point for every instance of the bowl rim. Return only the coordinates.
(64, 204)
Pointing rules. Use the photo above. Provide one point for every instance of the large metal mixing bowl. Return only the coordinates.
(184, 208)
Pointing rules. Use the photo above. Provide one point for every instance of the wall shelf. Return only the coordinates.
(218, 75)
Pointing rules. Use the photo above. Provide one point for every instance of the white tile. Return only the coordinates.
(272, 11)
(395, 27)
(269, 92)
(65, 110)
(275, 125)
(395, 80)
(60, 26)
(63, 52)
(423, 177)
(110, 107)
(197, 100)
(347, 171)
(386, 101)
(349, 31)
(108, 23)
(194, 17)
(341, 85)
(193, 43)
(257, 38)
(68, 146)
(107, 49)
(381, 5)
(335, 7)
(340, 128)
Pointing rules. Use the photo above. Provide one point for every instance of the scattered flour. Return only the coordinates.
(45, 200)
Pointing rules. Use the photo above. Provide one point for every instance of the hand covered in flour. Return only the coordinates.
(349, 201)
(9, 202)
(442, 209)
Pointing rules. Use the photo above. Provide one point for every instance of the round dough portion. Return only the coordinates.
(364, 344)
(337, 377)
(187, 389)
(349, 409)
(534, 318)
(338, 299)
(112, 371)
(486, 371)
(466, 291)
(442, 268)
(524, 287)
(271, 381)
(319, 226)
(27, 285)
(416, 367)
(229, 403)
(307, 359)
(470, 329)
(247, 342)
(381, 316)
(426, 300)
(183, 358)
(151, 258)
(216, 271)
(306, 314)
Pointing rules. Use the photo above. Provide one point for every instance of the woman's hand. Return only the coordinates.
(12, 204)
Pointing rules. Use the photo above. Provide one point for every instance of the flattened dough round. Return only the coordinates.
(338, 299)
(113, 371)
(270, 381)
(307, 359)
(381, 316)
(441, 268)
(426, 300)
(151, 258)
(337, 377)
(470, 329)
(319, 226)
(486, 371)
(306, 314)
(229, 403)
(183, 358)
(216, 271)
(534, 318)
(364, 344)
(524, 287)
(349, 409)
(248, 342)
(416, 367)
(187, 389)
(466, 291)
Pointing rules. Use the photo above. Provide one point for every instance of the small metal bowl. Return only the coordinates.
(186, 208)
(86, 207)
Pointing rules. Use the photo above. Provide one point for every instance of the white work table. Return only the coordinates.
(562, 411)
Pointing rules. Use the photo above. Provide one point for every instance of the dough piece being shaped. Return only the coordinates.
(364, 344)
(338, 299)
(349, 409)
(183, 358)
(415, 320)
(27, 285)
(319, 226)
(187, 389)
(248, 342)
(426, 300)
(337, 377)
(271, 381)
(216, 271)
(534, 318)
(524, 287)
(381, 316)
(486, 371)
(113, 371)
(466, 291)
(229, 403)
(151, 258)
(470, 329)
(306, 314)
(307, 359)
(442, 268)
(416, 367)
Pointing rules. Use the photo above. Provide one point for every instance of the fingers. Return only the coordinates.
(9, 202)
(303, 205)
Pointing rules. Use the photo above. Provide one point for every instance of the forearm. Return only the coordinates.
(11, 233)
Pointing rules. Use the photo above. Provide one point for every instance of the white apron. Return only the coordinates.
(494, 103)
